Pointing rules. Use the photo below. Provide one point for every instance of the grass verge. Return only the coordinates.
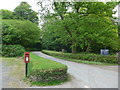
(84, 61)
(45, 72)
(70, 57)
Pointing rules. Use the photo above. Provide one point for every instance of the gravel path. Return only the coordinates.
(11, 78)
(87, 76)
(5, 75)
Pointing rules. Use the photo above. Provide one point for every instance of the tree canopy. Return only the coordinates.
(21, 12)
(6, 14)
(85, 26)
(24, 12)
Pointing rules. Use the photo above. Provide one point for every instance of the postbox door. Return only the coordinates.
(27, 58)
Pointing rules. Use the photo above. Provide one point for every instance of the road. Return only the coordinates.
(87, 76)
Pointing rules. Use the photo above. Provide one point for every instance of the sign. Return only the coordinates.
(26, 57)
(104, 51)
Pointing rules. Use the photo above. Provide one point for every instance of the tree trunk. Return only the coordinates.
(88, 48)
(74, 49)
(118, 57)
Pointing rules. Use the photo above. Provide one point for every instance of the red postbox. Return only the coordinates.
(27, 57)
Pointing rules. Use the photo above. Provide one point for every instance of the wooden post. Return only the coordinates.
(26, 69)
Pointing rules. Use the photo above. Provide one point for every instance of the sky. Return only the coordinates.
(11, 4)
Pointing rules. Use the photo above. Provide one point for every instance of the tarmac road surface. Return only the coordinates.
(87, 76)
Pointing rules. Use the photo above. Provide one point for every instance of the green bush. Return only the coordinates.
(82, 56)
(12, 50)
(45, 70)
(23, 32)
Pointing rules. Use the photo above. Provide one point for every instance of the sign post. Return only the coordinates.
(26, 61)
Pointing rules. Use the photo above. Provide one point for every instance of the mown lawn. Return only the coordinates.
(46, 71)
(43, 63)
(37, 66)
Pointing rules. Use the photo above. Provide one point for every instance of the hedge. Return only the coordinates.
(45, 70)
(82, 56)
(12, 50)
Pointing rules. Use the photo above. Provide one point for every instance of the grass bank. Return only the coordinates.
(87, 58)
(44, 72)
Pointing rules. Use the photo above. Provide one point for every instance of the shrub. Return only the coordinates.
(45, 70)
(82, 56)
(24, 33)
(12, 50)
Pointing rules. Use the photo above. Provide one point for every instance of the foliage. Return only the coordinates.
(9, 33)
(12, 50)
(24, 12)
(85, 57)
(85, 61)
(6, 14)
(86, 25)
(98, 8)
(98, 31)
(51, 83)
(49, 38)
(20, 32)
(119, 28)
(87, 32)
(44, 70)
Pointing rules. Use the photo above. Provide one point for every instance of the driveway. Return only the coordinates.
(87, 76)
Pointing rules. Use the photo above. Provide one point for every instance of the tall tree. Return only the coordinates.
(69, 23)
(24, 11)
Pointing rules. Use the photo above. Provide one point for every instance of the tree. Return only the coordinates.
(86, 32)
(6, 14)
(99, 31)
(24, 12)
(69, 25)
(24, 33)
(50, 40)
